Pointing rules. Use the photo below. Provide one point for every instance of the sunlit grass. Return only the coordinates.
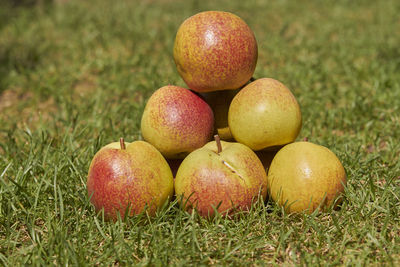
(75, 75)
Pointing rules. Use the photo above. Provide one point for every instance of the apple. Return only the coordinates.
(177, 121)
(215, 50)
(304, 176)
(132, 177)
(264, 115)
(222, 176)
(219, 102)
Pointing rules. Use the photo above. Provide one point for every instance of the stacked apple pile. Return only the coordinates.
(216, 55)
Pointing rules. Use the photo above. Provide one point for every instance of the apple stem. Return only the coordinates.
(122, 143)
(218, 141)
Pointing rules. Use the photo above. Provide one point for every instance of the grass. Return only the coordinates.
(75, 75)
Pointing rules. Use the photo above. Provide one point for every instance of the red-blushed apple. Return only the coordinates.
(304, 176)
(222, 176)
(177, 121)
(219, 102)
(215, 50)
(264, 115)
(132, 177)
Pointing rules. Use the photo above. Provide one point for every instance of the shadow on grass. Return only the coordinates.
(15, 55)
(27, 3)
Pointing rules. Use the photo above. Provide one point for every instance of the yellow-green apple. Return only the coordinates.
(132, 177)
(222, 176)
(304, 176)
(176, 121)
(264, 115)
(219, 102)
(215, 50)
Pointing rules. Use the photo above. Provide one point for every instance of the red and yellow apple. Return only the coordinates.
(225, 177)
(177, 121)
(132, 177)
(215, 50)
(264, 115)
(304, 176)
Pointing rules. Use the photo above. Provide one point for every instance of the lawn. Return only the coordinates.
(75, 75)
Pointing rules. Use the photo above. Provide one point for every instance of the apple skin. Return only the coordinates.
(232, 179)
(131, 178)
(177, 121)
(219, 102)
(304, 176)
(264, 115)
(215, 50)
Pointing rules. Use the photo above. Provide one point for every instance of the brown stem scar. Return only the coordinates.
(218, 141)
(122, 143)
